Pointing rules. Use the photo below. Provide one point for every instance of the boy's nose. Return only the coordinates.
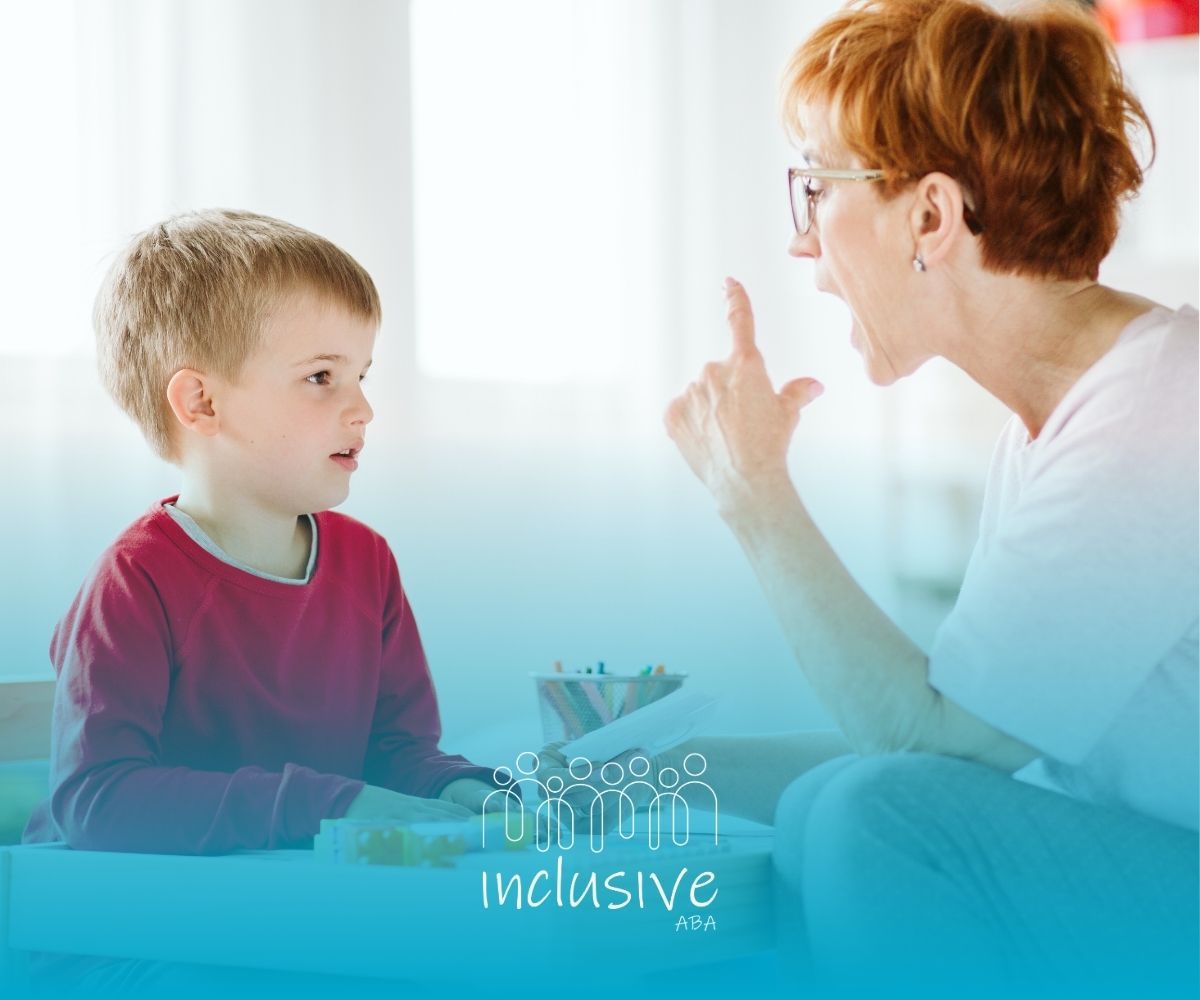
(360, 412)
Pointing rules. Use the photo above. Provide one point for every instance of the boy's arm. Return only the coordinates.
(110, 790)
(403, 752)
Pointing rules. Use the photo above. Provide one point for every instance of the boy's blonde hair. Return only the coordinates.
(193, 292)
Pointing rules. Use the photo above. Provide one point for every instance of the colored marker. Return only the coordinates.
(558, 698)
(597, 703)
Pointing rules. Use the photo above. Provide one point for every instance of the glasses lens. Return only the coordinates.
(800, 203)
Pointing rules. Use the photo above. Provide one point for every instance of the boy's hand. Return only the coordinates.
(374, 802)
(472, 794)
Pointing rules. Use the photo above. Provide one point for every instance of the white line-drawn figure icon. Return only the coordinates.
(585, 800)
(512, 790)
(555, 817)
(668, 779)
(612, 776)
(596, 798)
(639, 768)
(694, 765)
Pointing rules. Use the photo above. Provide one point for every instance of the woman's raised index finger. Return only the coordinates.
(740, 317)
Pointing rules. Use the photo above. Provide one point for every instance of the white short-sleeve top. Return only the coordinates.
(1076, 627)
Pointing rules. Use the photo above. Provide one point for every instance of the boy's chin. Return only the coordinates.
(311, 501)
(330, 500)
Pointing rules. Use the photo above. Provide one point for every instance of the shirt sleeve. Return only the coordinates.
(1090, 577)
(109, 787)
(403, 751)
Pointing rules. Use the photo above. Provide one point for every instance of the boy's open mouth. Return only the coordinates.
(347, 457)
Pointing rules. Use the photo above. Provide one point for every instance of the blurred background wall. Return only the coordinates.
(548, 194)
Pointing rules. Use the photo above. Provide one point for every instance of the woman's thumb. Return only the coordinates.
(799, 392)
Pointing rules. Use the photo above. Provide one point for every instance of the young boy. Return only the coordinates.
(241, 662)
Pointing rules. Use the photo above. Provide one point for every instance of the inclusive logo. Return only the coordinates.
(633, 801)
(643, 808)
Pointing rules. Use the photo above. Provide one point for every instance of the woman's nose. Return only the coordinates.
(804, 244)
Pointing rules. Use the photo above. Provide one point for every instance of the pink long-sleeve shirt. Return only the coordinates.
(200, 708)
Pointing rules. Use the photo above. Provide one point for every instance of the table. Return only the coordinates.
(288, 910)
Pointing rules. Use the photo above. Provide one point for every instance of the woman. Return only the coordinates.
(963, 178)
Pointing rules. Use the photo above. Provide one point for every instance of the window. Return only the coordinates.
(45, 312)
(533, 187)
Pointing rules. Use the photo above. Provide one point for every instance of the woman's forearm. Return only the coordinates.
(866, 672)
(869, 675)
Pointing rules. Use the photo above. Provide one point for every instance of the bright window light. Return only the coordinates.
(39, 118)
(525, 186)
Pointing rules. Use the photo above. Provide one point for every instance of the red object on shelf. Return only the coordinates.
(1135, 20)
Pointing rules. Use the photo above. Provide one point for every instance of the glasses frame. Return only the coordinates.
(822, 174)
(810, 196)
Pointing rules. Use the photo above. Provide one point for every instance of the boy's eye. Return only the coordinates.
(318, 378)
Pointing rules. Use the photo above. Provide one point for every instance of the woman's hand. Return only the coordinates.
(374, 802)
(730, 425)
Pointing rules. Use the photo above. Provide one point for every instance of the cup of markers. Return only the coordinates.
(574, 703)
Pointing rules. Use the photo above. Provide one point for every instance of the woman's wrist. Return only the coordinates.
(754, 504)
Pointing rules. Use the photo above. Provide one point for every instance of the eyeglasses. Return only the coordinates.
(804, 196)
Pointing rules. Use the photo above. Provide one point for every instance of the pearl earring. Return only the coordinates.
(918, 263)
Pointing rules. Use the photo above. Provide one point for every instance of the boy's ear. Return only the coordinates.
(190, 400)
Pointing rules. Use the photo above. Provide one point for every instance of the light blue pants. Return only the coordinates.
(910, 871)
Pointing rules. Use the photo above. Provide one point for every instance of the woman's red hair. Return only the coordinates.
(1027, 110)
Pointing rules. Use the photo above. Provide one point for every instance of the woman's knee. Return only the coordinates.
(874, 809)
(792, 817)
(845, 820)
